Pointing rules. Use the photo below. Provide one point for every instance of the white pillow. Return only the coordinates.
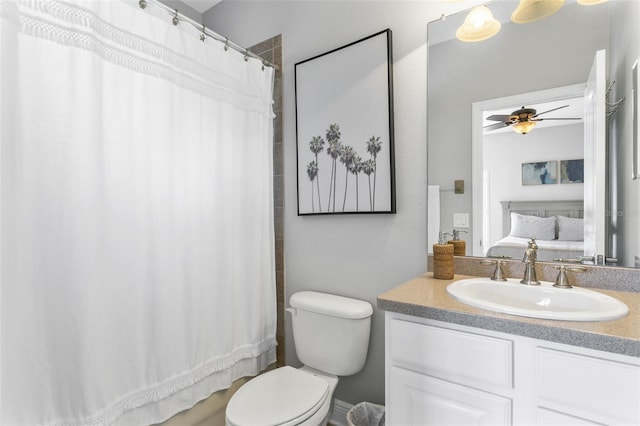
(570, 228)
(540, 228)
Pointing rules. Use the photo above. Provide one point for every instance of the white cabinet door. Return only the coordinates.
(444, 353)
(444, 374)
(422, 400)
(588, 387)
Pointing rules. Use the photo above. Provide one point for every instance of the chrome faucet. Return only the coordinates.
(530, 256)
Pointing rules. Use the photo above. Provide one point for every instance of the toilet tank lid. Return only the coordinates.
(331, 304)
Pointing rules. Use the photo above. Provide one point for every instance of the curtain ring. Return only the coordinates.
(142, 4)
(226, 44)
(175, 19)
(202, 36)
(246, 55)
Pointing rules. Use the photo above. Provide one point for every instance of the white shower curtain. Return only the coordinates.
(136, 226)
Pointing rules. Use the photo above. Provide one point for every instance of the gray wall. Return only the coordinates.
(354, 255)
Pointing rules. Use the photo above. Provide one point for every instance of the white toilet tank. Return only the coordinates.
(331, 333)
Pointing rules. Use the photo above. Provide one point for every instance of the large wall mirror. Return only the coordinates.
(485, 182)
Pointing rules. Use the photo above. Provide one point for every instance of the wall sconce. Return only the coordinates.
(478, 25)
(533, 10)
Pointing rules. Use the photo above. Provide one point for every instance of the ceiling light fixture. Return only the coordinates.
(478, 25)
(523, 127)
(533, 10)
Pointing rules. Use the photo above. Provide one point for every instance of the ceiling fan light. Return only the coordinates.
(523, 127)
(533, 10)
(478, 25)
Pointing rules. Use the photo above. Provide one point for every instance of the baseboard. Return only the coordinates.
(339, 413)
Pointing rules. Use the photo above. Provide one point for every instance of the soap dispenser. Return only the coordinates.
(459, 246)
(442, 259)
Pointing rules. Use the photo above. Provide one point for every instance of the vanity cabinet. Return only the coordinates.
(439, 373)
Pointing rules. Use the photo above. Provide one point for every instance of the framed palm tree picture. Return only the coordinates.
(344, 129)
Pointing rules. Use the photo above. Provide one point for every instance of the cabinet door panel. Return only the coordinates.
(418, 399)
(588, 387)
(446, 354)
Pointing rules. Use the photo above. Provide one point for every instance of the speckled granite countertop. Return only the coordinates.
(427, 297)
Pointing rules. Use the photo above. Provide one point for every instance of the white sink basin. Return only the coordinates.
(543, 301)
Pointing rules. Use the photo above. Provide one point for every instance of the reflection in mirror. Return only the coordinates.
(540, 162)
(554, 52)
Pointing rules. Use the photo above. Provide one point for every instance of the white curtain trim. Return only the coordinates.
(81, 28)
(174, 385)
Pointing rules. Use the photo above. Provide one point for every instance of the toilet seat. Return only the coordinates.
(284, 396)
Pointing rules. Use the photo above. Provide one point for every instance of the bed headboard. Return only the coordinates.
(571, 208)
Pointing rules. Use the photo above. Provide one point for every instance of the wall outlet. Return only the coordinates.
(461, 220)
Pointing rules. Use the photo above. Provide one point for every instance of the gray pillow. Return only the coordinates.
(570, 228)
(540, 228)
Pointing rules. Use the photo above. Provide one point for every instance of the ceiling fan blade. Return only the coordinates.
(496, 126)
(558, 118)
(553, 109)
(499, 117)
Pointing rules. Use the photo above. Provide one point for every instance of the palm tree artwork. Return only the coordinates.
(333, 150)
(347, 154)
(367, 168)
(355, 167)
(316, 146)
(353, 163)
(312, 172)
(374, 145)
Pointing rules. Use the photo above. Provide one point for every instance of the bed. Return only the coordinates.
(556, 225)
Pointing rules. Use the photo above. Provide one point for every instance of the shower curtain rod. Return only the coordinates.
(178, 17)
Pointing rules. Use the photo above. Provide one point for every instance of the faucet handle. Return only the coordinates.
(498, 273)
(562, 281)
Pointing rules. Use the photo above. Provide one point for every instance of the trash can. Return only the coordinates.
(366, 414)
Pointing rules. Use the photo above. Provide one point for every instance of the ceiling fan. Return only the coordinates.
(523, 119)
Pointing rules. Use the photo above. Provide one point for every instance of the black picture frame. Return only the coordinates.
(344, 129)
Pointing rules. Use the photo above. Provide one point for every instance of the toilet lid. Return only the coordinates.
(282, 396)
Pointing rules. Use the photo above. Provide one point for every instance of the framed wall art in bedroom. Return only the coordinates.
(540, 173)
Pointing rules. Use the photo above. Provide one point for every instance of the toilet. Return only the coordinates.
(331, 336)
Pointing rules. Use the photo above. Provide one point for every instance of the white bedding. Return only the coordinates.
(548, 250)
